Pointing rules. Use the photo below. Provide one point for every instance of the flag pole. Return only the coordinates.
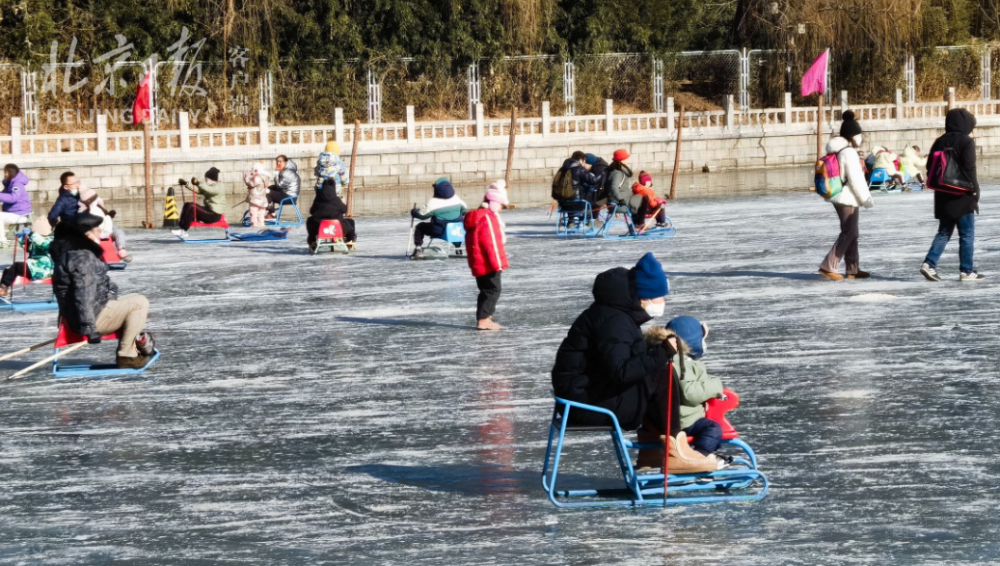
(819, 128)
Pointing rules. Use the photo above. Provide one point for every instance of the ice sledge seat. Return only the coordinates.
(276, 221)
(644, 489)
(67, 337)
(575, 218)
(880, 179)
(331, 236)
(221, 223)
(111, 256)
(454, 235)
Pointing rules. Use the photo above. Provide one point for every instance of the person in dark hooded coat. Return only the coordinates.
(88, 300)
(953, 211)
(604, 360)
(328, 206)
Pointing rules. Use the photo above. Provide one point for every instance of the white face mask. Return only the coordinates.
(655, 309)
(858, 139)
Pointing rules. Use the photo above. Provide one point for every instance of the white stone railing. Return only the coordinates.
(729, 121)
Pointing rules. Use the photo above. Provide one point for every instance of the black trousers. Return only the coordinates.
(312, 229)
(11, 273)
(707, 435)
(204, 215)
(426, 230)
(641, 402)
(275, 196)
(489, 294)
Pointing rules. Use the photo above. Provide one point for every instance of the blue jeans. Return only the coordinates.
(966, 241)
(707, 435)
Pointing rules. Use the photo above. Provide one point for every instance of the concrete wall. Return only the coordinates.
(472, 161)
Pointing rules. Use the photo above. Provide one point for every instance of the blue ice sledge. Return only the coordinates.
(220, 224)
(67, 337)
(648, 489)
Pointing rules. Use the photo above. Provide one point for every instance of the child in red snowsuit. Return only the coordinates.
(484, 245)
(651, 204)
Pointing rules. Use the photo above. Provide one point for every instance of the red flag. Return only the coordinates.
(140, 110)
(814, 81)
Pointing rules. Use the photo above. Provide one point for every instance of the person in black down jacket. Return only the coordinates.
(604, 360)
(88, 299)
(328, 206)
(956, 210)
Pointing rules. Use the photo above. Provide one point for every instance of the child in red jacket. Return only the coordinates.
(484, 245)
(652, 205)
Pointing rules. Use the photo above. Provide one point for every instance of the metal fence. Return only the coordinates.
(305, 92)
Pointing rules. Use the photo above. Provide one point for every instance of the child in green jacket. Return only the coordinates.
(696, 385)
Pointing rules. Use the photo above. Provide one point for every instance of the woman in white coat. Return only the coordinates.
(854, 195)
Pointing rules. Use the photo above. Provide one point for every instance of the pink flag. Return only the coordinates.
(140, 109)
(814, 81)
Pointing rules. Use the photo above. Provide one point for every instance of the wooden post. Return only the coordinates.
(510, 146)
(354, 160)
(677, 156)
(148, 170)
(819, 128)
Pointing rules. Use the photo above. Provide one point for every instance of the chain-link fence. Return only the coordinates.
(700, 80)
(524, 82)
(626, 78)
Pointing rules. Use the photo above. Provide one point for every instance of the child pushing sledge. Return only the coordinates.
(484, 243)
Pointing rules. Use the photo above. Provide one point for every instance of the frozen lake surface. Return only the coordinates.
(330, 409)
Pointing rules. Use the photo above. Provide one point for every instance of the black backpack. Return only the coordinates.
(562, 185)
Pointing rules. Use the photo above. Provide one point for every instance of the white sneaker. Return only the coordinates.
(929, 272)
(180, 233)
(971, 277)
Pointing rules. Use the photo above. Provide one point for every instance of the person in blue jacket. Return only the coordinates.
(68, 203)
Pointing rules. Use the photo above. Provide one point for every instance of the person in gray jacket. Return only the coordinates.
(286, 183)
(618, 175)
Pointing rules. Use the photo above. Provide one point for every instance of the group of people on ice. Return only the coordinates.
(607, 361)
(953, 208)
(585, 177)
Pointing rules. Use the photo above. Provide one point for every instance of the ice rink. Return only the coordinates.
(331, 410)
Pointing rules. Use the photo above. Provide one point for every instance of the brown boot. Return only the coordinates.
(685, 460)
(831, 275)
(4, 292)
(649, 458)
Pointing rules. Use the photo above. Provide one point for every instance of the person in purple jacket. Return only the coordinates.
(15, 199)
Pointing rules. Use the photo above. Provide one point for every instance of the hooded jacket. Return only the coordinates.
(327, 205)
(616, 184)
(604, 353)
(583, 180)
(15, 196)
(444, 207)
(329, 166)
(958, 124)
(65, 207)
(885, 159)
(288, 179)
(80, 279)
(910, 162)
(484, 242)
(855, 192)
(256, 182)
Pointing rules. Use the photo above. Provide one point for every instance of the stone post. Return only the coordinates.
(788, 109)
(609, 117)
(900, 114)
(949, 96)
(102, 134)
(730, 116)
(411, 125)
(15, 136)
(670, 113)
(546, 119)
(338, 125)
(262, 128)
(843, 101)
(185, 128)
(480, 122)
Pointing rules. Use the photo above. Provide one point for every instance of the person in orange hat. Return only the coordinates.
(618, 177)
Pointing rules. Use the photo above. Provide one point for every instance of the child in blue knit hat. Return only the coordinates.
(696, 385)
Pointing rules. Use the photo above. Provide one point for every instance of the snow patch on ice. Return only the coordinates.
(873, 298)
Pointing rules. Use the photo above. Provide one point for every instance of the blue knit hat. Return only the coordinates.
(650, 280)
(443, 189)
(591, 159)
(692, 332)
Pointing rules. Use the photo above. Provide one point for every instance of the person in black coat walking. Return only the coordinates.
(953, 211)
(328, 206)
(604, 360)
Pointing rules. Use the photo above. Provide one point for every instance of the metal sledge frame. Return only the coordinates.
(276, 221)
(646, 489)
(615, 211)
(331, 236)
(67, 337)
(220, 224)
(576, 222)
